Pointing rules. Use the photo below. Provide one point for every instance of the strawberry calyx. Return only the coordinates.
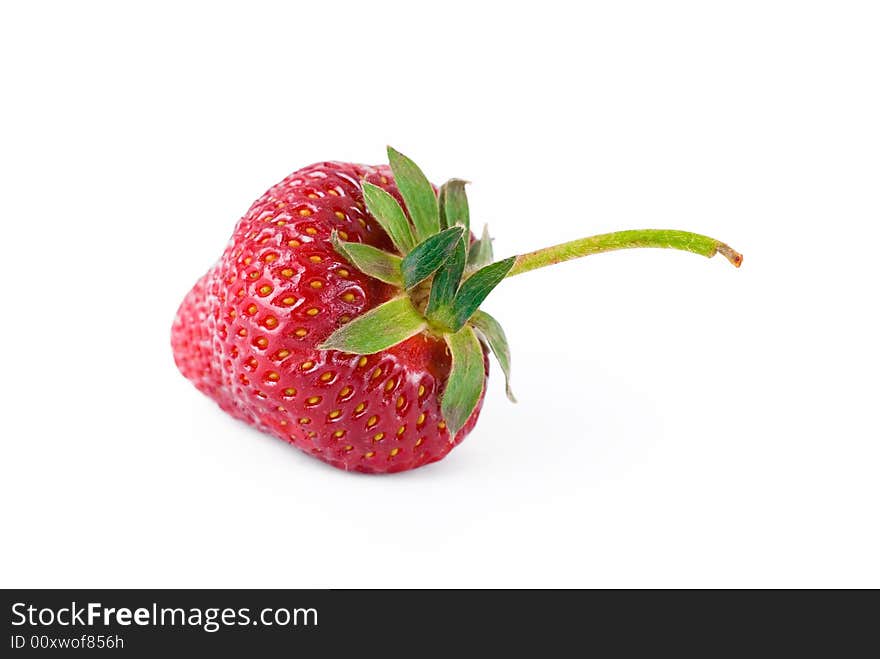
(443, 277)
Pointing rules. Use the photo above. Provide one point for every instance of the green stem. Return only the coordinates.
(607, 242)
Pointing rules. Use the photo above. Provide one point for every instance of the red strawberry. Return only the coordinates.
(270, 332)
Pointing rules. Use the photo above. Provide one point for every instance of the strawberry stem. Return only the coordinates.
(607, 242)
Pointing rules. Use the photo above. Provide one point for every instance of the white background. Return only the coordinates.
(681, 423)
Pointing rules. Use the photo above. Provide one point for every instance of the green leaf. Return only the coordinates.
(418, 195)
(378, 329)
(491, 330)
(480, 253)
(454, 204)
(390, 215)
(426, 257)
(466, 379)
(370, 260)
(445, 286)
(475, 289)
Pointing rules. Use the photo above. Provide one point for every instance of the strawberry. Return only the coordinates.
(343, 316)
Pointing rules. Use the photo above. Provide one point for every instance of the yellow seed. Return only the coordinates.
(270, 257)
(251, 309)
(401, 401)
(268, 218)
(421, 419)
(281, 223)
(379, 436)
(362, 362)
(273, 376)
(362, 222)
(262, 342)
(264, 290)
(419, 441)
(315, 259)
(339, 433)
(401, 430)
(281, 409)
(254, 275)
(441, 425)
(293, 243)
(288, 301)
(287, 272)
(312, 312)
(305, 212)
(305, 420)
(271, 321)
(313, 400)
(242, 332)
(307, 365)
(390, 385)
(312, 195)
(345, 448)
(345, 391)
(369, 454)
(316, 284)
(335, 414)
(247, 260)
(376, 373)
(393, 452)
(343, 235)
(348, 297)
(326, 376)
(344, 319)
(359, 408)
(301, 332)
(421, 390)
(340, 215)
(372, 421)
(333, 192)
(281, 354)
(384, 180)
(342, 272)
(240, 292)
(290, 391)
(283, 422)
